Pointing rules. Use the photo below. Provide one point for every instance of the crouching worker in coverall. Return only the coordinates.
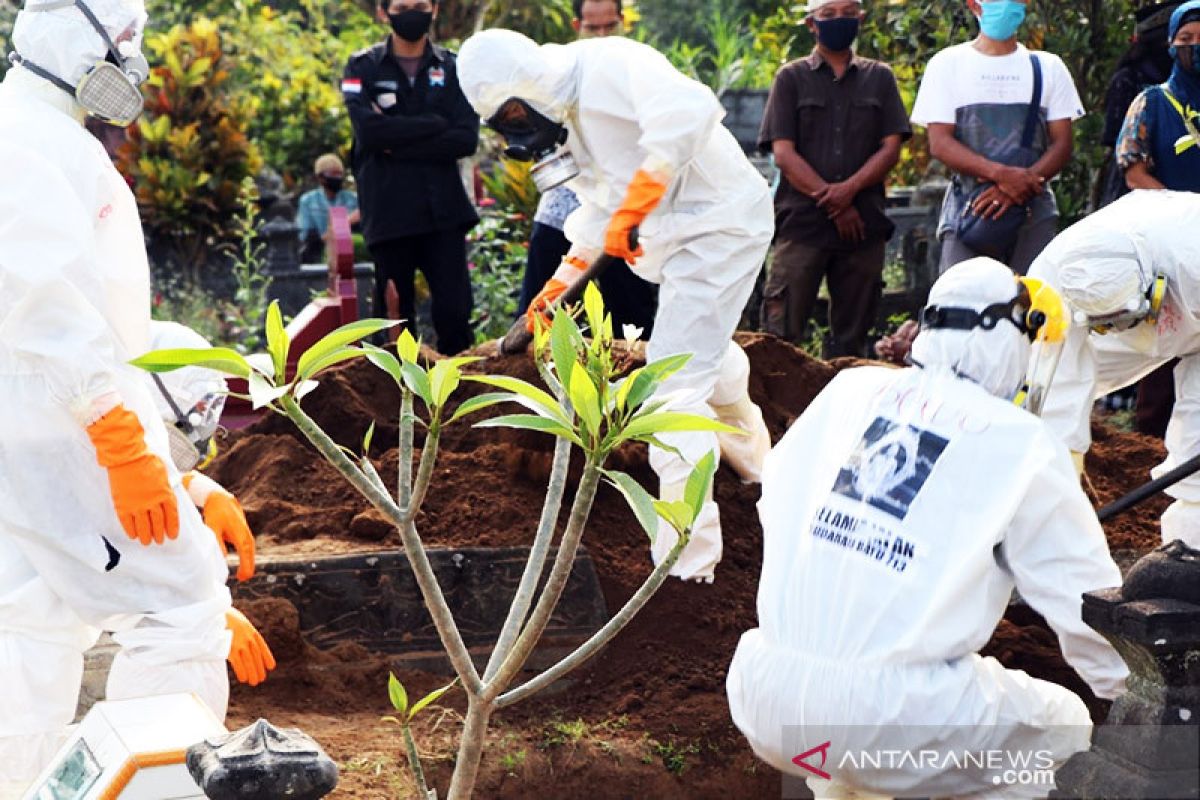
(96, 531)
(644, 149)
(898, 513)
(1130, 274)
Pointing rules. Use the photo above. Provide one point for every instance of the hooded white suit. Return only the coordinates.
(898, 513)
(74, 308)
(626, 108)
(1097, 263)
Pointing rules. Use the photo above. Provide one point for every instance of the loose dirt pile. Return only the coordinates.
(665, 673)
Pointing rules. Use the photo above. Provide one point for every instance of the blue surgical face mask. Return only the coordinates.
(1001, 18)
(1187, 56)
(837, 34)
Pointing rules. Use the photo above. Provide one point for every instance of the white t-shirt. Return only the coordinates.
(961, 76)
(987, 99)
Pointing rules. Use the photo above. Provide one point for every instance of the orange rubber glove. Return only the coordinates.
(644, 194)
(249, 654)
(142, 496)
(224, 516)
(567, 273)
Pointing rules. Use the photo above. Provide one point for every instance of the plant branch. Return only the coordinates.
(424, 471)
(470, 749)
(431, 592)
(404, 489)
(601, 637)
(414, 760)
(537, 559)
(559, 573)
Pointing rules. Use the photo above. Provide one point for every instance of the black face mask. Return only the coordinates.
(530, 136)
(332, 184)
(411, 25)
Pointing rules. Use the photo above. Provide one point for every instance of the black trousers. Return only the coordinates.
(630, 300)
(442, 258)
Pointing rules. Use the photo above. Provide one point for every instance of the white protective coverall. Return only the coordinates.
(626, 108)
(898, 513)
(1099, 261)
(74, 308)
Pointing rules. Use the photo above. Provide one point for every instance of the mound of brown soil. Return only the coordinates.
(666, 671)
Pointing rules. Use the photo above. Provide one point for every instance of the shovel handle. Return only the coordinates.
(1184, 470)
(518, 337)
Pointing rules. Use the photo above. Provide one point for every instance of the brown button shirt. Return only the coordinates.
(837, 125)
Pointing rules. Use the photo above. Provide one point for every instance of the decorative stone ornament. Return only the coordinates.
(262, 762)
(1149, 747)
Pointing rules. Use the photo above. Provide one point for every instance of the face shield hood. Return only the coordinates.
(972, 327)
(91, 49)
(189, 400)
(1108, 283)
(525, 93)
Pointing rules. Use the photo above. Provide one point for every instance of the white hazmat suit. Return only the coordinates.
(628, 110)
(899, 512)
(1099, 263)
(74, 308)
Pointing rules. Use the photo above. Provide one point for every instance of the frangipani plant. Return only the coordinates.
(585, 405)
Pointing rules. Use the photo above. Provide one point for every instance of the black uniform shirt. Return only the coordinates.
(405, 156)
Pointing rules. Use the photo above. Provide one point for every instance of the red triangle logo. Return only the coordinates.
(823, 749)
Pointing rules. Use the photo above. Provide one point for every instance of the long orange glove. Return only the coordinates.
(643, 196)
(137, 479)
(224, 516)
(568, 272)
(249, 654)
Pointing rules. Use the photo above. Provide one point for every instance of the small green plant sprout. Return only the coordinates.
(586, 404)
(399, 698)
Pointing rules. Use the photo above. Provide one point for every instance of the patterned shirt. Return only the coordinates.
(555, 206)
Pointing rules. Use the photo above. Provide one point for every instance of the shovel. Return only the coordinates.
(518, 337)
(1184, 470)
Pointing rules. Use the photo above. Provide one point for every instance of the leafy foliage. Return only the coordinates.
(189, 153)
(286, 67)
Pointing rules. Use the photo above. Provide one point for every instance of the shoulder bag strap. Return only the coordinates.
(1035, 106)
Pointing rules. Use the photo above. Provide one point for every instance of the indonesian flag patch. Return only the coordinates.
(352, 85)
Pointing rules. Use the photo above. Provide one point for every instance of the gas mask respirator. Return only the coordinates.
(191, 435)
(532, 137)
(109, 90)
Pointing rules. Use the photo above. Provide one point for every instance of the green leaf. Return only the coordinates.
(278, 343)
(585, 400)
(432, 697)
(345, 335)
(565, 344)
(677, 513)
(408, 347)
(667, 366)
(263, 392)
(593, 308)
(367, 438)
(397, 695)
(699, 482)
(385, 361)
(221, 359)
(639, 500)
(479, 402)
(673, 422)
(444, 378)
(531, 422)
(542, 402)
(417, 381)
(332, 359)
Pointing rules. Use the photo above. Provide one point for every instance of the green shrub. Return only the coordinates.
(189, 152)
